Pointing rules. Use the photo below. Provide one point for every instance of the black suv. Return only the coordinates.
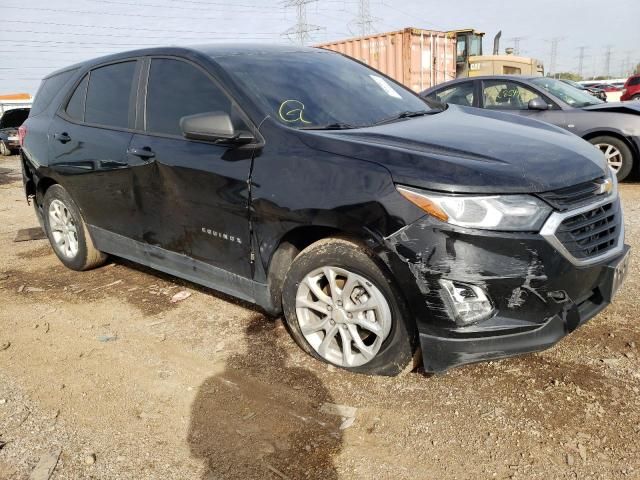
(309, 184)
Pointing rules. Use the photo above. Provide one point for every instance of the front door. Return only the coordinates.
(513, 97)
(192, 195)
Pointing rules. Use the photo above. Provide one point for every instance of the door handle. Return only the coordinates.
(62, 137)
(144, 152)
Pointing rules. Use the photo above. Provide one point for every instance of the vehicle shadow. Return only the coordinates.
(260, 418)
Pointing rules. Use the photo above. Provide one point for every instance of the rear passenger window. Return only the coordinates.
(458, 95)
(75, 107)
(634, 81)
(109, 95)
(177, 89)
(48, 89)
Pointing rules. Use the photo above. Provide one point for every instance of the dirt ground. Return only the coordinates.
(127, 385)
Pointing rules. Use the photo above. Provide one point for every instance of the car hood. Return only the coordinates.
(468, 150)
(632, 108)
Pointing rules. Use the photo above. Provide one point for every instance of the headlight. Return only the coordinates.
(492, 212)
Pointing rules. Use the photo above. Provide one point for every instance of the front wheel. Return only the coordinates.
(617, 153)
(67, 231)
(341, 308)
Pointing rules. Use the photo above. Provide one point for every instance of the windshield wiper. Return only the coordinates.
(330, 126)
(406, 114)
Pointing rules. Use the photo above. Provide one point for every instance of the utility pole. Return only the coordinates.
(581, 61)
(364, 20)
(607, 61)
(301, 30)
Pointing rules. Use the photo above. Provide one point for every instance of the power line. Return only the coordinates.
(210, 34)
(301, 30)
(110, 27)
(115, 14)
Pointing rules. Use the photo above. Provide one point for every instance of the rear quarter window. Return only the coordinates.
(48, 89)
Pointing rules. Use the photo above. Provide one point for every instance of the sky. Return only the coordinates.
(40, 36)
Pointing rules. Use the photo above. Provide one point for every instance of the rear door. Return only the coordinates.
(193, 195)
(88, 143)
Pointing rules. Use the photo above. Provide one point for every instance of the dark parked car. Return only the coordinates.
(306, 182)
(596, 92)
(631, 89)
(612, 127)
(9, 123)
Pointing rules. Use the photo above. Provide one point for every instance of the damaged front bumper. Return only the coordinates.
(538, 295)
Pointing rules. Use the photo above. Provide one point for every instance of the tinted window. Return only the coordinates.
(461, 94)
(109, 94)
(177, 89)
(318, 88)
(75, 107)
(634, 81)
(48, 89)
(505, 95)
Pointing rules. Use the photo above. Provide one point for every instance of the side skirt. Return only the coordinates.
(182, 266)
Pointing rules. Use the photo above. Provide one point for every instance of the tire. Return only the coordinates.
(76, 249)
(636, 98)
(624, 161)
(388, 349)
(4, 150)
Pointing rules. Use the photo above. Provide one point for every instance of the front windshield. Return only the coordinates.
(316, 89)
(570, 95)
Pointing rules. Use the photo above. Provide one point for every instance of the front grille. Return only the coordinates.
(574, 196)
(593, 232)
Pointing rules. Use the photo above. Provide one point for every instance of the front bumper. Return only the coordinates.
(447, 352)
(539, 295)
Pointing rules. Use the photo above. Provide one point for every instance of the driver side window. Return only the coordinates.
(177, 89)
(506, 95)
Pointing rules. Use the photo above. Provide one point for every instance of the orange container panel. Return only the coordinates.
(416, 58)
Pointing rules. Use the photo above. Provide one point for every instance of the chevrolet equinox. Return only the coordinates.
(311, 185)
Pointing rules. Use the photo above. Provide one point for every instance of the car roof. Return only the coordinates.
(214, 50)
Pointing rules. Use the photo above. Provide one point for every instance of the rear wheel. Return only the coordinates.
(4, 149)
(636, 97)
(342, 309)
(67, 231)
(617, 153)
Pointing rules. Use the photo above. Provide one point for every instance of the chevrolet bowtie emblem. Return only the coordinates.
(605, 187)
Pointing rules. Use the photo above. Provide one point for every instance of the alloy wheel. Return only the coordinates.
(63, 229)
(342, 315)
(612, 154)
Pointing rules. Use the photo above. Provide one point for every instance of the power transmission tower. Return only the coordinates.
(301, 30)
(607, 60)
(364, 20)
(626, 64)
(554, 54)
(581, 57)
(516, 44)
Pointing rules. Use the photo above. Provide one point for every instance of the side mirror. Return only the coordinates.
(538, 104)
(213, 127)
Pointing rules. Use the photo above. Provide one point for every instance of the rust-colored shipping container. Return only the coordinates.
(414, 57)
